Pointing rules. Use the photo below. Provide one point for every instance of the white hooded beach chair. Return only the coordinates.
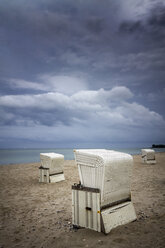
(51, 169)
(148, 156)
(107, 170)
(104, 192)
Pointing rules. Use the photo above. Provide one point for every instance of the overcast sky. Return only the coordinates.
(76, 73)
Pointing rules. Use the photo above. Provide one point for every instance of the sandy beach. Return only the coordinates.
(38, 215)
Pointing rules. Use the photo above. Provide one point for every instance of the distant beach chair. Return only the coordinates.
(102, 200)
(51, 169)
(148, 156)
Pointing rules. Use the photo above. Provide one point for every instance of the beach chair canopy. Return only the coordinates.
(107, 170)
(148, 154)
(53, 161)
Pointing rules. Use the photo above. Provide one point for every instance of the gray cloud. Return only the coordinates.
(157, 16)
(105, 108)
(131, 27)
(150, 25)
(95, 25)
(71, 65)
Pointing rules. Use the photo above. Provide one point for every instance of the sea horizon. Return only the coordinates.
(32, 155)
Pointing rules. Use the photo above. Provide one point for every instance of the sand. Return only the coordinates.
(34, 214)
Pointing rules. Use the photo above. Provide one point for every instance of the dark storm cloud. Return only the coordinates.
(131, 27)
(54, 36)
(157, 16)
(151, 25)
(74, 65)
(95, 25)
(68, 37)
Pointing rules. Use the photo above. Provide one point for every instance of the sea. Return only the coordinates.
(19, 156)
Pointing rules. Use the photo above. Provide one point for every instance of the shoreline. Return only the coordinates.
(13, 164)
(36, 215)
